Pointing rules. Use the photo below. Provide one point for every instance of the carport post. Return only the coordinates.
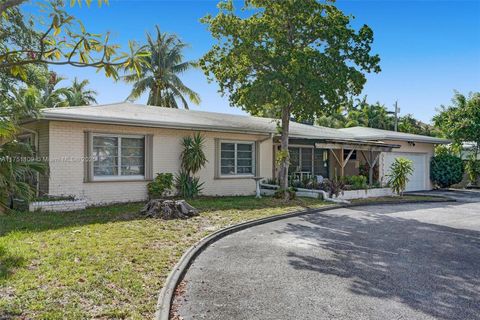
(371, 163)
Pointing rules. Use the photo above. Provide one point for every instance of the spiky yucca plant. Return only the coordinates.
(192, 160)
(400, 172)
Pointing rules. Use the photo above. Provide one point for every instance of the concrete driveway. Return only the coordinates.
(418, 261)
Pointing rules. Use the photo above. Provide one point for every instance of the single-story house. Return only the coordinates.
(108, 153)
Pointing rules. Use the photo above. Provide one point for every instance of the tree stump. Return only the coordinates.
(168, 209)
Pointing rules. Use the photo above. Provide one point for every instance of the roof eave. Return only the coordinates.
(146, 123)
(415, 139)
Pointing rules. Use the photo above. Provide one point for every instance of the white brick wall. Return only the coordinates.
(66, 148)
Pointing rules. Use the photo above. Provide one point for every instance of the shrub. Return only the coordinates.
(446, 169)
(188, 187)
(160, 186)
(292, 194)
(400, 170)
(472, 168)
(364, 170)
(272, 181)
(334, 187)
(357, 182)
(16, 176)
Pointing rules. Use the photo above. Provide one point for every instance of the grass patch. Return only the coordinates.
(106, 262)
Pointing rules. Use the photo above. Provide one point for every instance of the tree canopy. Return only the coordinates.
(359, 112)
(57, 38)
(298, 58)
(461, 120)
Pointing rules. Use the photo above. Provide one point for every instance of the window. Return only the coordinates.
(352, 157)
(301, 159)
(118, 156)
(27, 139)
(237, 158)
(321, 162)
(309, 160)
(294, 159)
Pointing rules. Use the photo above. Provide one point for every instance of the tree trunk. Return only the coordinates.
(168, 209)
(284, 151)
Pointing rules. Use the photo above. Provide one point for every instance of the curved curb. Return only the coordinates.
(166, 295)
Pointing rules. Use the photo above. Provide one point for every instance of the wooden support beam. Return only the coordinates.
(335, 156)
(371, 164)
(330, 145)
(348, 157)
(342, 165)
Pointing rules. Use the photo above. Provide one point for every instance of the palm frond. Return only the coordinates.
(160, 76)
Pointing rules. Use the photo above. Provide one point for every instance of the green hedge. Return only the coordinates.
(446, 170)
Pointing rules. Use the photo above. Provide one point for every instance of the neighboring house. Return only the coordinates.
(108, 153)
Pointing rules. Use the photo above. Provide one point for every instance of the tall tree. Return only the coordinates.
(78, 94)
(409, 124)
(300, 55)
(369, 115)
(461, 121)
(51, 36)
(161, 75)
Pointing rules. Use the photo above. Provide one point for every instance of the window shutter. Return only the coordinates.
(88, 159)
(217, 159)
(149, 157)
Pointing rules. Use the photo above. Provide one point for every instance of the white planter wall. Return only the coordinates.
(367, 193)
(57, 206)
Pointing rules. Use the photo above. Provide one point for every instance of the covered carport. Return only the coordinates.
(342, 151)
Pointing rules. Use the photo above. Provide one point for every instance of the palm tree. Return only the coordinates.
(27, 103)
(52, 97)
(369, 115)
(15, 175)
(161, 75)
(79, 95)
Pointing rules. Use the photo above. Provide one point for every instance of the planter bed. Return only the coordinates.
(268, 190)
(57, 205)
(366, 193)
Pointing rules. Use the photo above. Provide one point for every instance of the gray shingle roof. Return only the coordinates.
(150, 116)
(141, 115)
(378, 134)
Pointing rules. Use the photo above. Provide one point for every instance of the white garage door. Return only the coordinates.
(418, 178)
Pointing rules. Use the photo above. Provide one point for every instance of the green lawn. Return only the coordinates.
(105, 262)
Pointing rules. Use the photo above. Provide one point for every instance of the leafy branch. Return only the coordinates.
(66, 42)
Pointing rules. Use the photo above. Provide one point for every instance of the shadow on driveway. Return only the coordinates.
(431, 268)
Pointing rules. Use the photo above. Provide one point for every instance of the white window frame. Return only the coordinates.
(236, 142)
(118, 177)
